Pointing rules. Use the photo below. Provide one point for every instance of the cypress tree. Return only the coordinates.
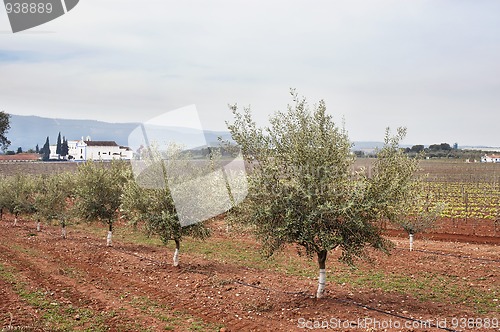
(59, 145)
(46, 150)
(64, 147)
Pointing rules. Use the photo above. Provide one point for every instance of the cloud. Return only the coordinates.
(381, 62)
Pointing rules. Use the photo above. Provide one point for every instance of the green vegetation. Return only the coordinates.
(302, 189)
(51, 197)
(4, 128)
(304, 193)
(153, 203)
(16, 194)
(479, 200)
(445, 151)
(98, 192)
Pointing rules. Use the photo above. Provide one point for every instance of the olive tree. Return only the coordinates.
(17, 192)
(98, 191)
(52, 199)
(3, 195)
(149, 201)
(155, 208)
(411, 208)
(302, 188)
(419, 214)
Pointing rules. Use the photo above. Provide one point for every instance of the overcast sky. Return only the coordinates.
(432, 66)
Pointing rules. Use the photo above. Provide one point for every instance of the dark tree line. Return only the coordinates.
(444, 150)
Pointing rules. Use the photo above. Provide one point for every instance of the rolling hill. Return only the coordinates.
(28, 131)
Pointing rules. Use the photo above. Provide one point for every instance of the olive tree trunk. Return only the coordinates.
(176, 253)
(63, 228)
(322, 273)
(109, 239)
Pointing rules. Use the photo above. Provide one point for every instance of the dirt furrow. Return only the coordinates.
(140, 287)
(95, 280)
(44, 274)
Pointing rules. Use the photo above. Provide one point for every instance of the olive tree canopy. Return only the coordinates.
(303, 190)
(98, 191)
(149, 200)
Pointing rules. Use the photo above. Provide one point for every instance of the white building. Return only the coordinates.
(492, 158)
(53, 154)
(86, 149)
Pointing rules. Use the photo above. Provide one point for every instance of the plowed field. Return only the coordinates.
(48, 283)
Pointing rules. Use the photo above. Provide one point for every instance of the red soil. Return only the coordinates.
(83, 272)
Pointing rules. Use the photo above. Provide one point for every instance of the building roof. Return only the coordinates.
(492, 156)
(101, 143)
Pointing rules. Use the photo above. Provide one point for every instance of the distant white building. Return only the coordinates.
(86, 149)
(53, 154)
(492, 158)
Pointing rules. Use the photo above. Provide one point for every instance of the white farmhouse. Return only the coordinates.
(86, 149)
(53, 154)
(492, 158)
(97, 150)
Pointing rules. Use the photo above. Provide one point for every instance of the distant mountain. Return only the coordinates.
(361, 145)
(481, 148)
(28, 131)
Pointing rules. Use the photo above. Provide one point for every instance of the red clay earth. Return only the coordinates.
(135, 287)
(470, 231)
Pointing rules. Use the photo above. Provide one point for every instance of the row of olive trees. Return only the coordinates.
(301, 190)
(96, 192)
(42, 197)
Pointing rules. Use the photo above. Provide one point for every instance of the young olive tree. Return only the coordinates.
(3, 195)
(98, 191)
(302, 188)
(418, 214)
(149, 201)
(31, 207)
(17, 194)
(52, 199)
(411, 208)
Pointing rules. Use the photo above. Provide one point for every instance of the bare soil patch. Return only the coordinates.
(134, 287)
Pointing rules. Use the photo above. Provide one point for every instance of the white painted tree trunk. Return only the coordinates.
(109, 241)
(321, 283)
(15, 221)
(176, 257)
(411, 242)
(63, 232)
(38, 227)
